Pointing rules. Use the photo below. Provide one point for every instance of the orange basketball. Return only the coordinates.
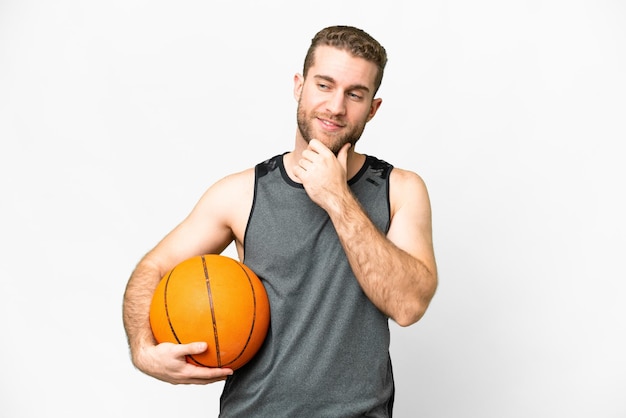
(216, 299)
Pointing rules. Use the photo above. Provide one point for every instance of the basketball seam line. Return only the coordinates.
(243, 350)
(210, 295)
(167, 312)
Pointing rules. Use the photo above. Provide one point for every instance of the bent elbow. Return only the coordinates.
(405, 322)
(406, 319)
(413, 311)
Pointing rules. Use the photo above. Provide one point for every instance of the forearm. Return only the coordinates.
(136, 306)
(165, 361)
(399, 284)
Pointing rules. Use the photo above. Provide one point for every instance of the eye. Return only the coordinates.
(355, 96)
(322, 86)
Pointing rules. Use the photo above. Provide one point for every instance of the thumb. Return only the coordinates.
(342, 155)
(196, 347)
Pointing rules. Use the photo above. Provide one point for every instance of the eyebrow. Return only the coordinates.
(350, 88)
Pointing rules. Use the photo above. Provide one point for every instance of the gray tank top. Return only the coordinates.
(327, 350)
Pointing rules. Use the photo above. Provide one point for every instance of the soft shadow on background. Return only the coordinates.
(115, 116)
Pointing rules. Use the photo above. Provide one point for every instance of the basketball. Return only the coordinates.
(215, 299)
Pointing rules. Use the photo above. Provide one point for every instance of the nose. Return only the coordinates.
(336, 104)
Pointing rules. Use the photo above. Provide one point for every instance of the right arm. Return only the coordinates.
(219, 217)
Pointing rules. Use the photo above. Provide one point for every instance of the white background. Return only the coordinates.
(116, 115)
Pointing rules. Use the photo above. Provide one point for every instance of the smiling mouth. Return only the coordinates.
(329, 124)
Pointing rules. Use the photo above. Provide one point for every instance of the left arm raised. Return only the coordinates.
(397, 272)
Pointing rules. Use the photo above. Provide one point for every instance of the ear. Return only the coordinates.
(374, 108)
(298, 83)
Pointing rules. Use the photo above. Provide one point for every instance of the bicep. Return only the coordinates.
(411, 219)
(210, 227)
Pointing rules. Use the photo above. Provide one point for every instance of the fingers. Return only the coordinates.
(317, 146)
(199, 371)
(169, 363)
(202, 381)
(315, 150)
(199, 375)
(311, 154)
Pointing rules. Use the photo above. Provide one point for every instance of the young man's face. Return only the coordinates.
(336, 99)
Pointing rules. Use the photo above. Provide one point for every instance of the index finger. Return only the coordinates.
(318, 146)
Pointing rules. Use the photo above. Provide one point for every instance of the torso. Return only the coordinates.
(318, 309)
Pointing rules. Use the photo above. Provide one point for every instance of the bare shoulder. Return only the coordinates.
(236, 184)
(408, 188)
(411, 218)
(218, 218)
(405, 176)
(230, 199)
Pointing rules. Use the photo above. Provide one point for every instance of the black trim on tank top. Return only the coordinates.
(278, 161)
(362, 170)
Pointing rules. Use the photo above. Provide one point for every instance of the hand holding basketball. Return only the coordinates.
(212, 299)
(168, 362)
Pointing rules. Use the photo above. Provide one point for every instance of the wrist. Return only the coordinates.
(139, 351)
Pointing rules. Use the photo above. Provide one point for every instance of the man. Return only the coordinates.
(341, 240)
